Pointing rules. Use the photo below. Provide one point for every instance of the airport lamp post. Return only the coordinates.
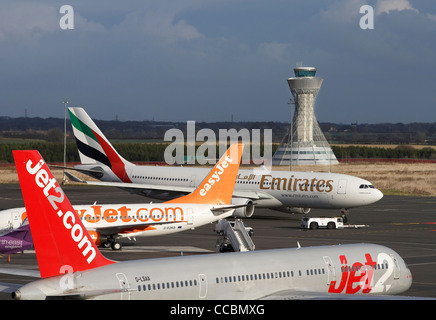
(65, 102)
(291, 135)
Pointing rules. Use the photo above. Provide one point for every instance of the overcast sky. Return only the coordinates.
(209, 60)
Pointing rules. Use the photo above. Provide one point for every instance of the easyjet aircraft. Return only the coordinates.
(72, 267)
(294, 192)
(208, 203)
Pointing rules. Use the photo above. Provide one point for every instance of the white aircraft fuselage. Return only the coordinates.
(312, 272)
(138, 220)
(274, 189)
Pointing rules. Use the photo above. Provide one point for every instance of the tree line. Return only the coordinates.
(147, 152)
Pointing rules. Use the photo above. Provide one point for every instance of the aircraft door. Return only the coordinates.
(190, 216)
(342, 186)
(331, 274)
(203, 286)
(396, 267)
(192, 181)
(124, 285)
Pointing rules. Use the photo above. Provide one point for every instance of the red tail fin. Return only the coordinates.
(217, 187)
(60, 239)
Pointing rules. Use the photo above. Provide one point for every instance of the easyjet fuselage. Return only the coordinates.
(303, 272)
(132, 220)
(284, 188)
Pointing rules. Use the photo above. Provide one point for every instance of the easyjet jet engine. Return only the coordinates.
(246, 210)
(95, 236)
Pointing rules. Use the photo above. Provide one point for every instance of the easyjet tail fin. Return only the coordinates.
(62, 244)
(217, 187)
(93, 146)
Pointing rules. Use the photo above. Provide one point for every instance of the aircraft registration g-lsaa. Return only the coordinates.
(295, 192)
(72, 267)
(210, 202)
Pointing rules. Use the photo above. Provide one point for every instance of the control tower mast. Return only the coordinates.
(304, 143)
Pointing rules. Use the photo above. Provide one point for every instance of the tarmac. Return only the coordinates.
(404, 223)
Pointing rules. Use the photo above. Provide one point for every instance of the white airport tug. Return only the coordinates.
(322, 222)
(328, 223)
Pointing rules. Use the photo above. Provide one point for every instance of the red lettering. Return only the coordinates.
(370, 266)
(344, 277)
(355, 279)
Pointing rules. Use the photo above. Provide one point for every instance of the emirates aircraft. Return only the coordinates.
(295, 192)
(210, 202)
(71, 267)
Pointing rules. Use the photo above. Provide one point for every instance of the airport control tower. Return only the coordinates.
(304, 141)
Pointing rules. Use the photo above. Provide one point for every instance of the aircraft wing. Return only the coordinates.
(82, 295)
(11, 287)
(132, 228)
(8, 287)
(252, 195)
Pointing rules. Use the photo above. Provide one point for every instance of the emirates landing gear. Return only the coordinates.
(344, 215)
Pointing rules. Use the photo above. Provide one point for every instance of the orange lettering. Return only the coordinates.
(158, 216)
(174, 212)
(124, 212)
(97, 213)
(110, 215)
(139, 216)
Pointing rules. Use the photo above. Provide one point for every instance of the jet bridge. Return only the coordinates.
(236, 236)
